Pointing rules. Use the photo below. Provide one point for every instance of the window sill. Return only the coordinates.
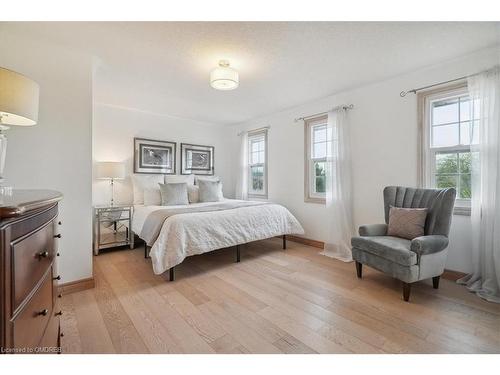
(462, 211)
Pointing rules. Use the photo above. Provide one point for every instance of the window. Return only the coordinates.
(317, 136)
(451, 126)
(257, 164)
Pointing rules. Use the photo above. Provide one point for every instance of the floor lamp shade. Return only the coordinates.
(110, 170)
(19, 97)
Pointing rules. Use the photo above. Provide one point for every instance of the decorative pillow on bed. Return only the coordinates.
(175, 179)
(193, 193)
(152, 196)
(174, 194)
(210, 191)
(406, 223)
(206, 178)
(142, 182)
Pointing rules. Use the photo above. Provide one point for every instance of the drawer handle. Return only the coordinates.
(44, 312)
(59, 223)
(43, 254)
(59, 313)
(57, 278)
(57, 235)
(59, 296)
(58, 254)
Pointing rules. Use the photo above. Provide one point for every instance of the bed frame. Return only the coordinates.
(172, 270)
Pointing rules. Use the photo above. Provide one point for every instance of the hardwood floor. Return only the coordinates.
(274, 301)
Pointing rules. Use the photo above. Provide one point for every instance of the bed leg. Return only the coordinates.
(284, 242)
(172, 275)
(146, 250)
(237, 253)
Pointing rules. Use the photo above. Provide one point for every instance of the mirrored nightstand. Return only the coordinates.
(112, 227)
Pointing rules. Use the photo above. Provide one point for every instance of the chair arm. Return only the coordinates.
(429, 244)
(373, 230)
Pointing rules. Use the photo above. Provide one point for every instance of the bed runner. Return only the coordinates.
(154, 221)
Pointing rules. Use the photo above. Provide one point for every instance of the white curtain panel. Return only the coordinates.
(339, 188)
(485, 215)
(242, 180)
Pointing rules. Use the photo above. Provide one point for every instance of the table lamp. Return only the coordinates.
(110, 170)
(18, 106)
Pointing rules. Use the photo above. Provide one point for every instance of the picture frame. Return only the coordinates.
(197, 159)
(154, 156)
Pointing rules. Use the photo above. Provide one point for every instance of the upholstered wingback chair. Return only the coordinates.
(409, 261)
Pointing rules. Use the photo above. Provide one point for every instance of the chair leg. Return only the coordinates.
(435, 282)
(172, 274)
(359, 269)
(406, 291)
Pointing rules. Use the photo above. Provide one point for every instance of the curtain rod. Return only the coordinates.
(337, 108)
(414, 91)
(253, 130)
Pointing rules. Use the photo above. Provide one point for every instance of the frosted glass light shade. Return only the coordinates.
(18, 99)
(110, 170)
(224, 77)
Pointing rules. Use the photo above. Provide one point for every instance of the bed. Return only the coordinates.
(172, 233)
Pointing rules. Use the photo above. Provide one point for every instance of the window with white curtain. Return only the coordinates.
(257, 164)
(450, 127)
(317, 136)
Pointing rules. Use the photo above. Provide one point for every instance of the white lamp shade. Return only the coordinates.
(224, 77)
(110, 170)
(18, 99)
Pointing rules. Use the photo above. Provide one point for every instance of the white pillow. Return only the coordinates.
(142, 182)
(206, 178)
(177, 179)
(174, 194)
(193, 193)
(152, 196)
(210, 191)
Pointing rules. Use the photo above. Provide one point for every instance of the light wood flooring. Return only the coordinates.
(274, 301)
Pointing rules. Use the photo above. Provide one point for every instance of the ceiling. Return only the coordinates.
(163, 67)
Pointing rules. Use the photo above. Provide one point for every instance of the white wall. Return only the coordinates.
(114, 129)
(56, 153)
(384, 149)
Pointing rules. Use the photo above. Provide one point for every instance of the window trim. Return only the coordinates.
(308, 160)
(425, 166)
(251, 135)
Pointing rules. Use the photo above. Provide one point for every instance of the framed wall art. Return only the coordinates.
(197, 159)
(153, 156)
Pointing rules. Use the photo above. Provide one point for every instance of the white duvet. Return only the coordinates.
(194, 233)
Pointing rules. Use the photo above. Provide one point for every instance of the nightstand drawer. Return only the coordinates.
(29, 325)
(32, 256)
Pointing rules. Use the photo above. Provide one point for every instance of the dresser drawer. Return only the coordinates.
(29, 326)
(50, 340)
(32, 256)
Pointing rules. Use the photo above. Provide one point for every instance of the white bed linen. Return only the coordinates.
(189, 234)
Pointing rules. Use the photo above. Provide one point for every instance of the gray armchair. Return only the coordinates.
(409, 261)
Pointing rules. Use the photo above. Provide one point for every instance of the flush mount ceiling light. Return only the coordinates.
(224, 77)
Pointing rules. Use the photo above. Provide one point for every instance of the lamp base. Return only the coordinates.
(5, 191)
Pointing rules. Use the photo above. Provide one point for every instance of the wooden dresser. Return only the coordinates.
(29, 311)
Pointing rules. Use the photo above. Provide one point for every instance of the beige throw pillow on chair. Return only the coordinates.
(406, 223)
